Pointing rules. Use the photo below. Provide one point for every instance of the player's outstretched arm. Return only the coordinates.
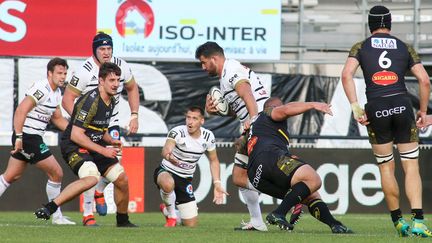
(218, 191)
(281, 113)
(68, 99)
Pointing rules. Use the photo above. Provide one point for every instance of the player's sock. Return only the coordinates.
(169, 200)
(319, 210)
(396, 215)
(417, 213)
(298, 192)
(251, 187)
(52, 191)
(3, 185)
(52, 207)
(88, 197)
(122, 218)
(252, 201)
(100, 186)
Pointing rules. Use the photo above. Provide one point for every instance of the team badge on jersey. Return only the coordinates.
(81, 116)
(384, 43)
(74, 81)
(38, 94)
(172, 134)
(384, 78)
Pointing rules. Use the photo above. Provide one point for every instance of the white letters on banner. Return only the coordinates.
(7, 18)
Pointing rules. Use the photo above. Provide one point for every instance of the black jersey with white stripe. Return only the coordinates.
(384, 60)
(266, 134)
(47, 101)
(85, 78)
(92, 114)
(188, 150)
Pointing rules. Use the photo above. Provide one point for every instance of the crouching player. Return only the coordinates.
(84, 147)
(183, 148)
(274, 171)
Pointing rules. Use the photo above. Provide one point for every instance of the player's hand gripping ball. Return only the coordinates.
(221, 104)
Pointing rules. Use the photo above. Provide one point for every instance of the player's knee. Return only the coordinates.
(88, 168)
(122, 181)
(411, 154)
(310, 177)
(166, 182)
(56, 174)
(11, 178)
(240, 177)
(115, 172)
(188, 212)
(383, 158)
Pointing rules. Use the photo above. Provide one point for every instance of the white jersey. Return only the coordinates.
(86, 78)
(188, 150)
(234, 73)
(46, 101)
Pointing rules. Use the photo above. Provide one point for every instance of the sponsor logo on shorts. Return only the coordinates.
(257, 177)
(189, 190)
(38, 94)
(389, 112)
(384, 78)
(43, 148)
(384, 43)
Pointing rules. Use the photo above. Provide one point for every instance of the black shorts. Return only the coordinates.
(391, 119)
(182, 186)
(34, 149)
(77, 157)
(271, 172)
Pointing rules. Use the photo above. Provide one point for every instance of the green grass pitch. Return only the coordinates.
(213, 227)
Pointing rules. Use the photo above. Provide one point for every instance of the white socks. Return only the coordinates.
(3, 185)
(100, 186)
(52, 191)
(169, 200)
(88, 201)
(252, 201)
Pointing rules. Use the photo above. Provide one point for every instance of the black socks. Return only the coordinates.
(297, 193)
(319, 210)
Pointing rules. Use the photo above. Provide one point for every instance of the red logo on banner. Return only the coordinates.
(143, 9)
(385, 78)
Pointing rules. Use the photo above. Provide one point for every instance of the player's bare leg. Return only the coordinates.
(55, 175)
(166, 184)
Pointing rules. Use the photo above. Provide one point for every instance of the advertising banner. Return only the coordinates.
(46, 27)
(169, 29)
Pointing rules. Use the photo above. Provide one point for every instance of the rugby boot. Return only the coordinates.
(89, 220)
(127, 224)
(62, 220)
(279, 221)
(340, 229)
(420, 229)
(101, 206)
(42, 213)
(296, 214)
(170, 222)
(402, 227)
(248, 226)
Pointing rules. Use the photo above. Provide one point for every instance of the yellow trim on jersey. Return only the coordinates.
(97, 128)
(132, 78)
(241, 81)
(283, 134)
(74, 89)
(34, 100)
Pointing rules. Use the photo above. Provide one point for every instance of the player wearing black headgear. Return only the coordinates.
(379, 17)
(388, 113)
(84, 79)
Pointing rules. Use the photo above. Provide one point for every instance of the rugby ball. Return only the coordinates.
(222, 105)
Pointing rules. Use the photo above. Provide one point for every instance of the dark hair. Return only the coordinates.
(107, 68)
(379, 17)
(196, 108)
(208, 49)
(101, 39)
(56, 61)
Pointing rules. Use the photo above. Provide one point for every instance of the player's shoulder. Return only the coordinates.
(119, 62)
(177, 131)
(234, 70)
(207, 134)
